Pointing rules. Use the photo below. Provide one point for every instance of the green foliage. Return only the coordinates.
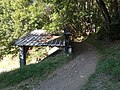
(36, 54)
(18, 17)
(110, 17)
(79, 15)
(110, 62)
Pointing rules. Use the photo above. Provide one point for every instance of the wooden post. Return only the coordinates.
(67, 39)
(23, 51)
(66, 44)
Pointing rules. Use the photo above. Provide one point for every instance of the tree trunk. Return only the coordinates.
(105, 12)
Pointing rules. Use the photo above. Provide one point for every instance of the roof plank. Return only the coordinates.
(40, 38)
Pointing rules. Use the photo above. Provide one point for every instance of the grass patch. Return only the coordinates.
(107, 73)
(40, 70)
(9, 62)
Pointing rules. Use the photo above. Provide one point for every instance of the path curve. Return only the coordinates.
(73, 75)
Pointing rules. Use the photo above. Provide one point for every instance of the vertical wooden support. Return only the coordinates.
(66, 43)
(23, 51)
(67, 39)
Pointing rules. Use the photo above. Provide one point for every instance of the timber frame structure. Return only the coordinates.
(40, 38)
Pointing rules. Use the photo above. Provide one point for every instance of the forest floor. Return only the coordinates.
(71, 76)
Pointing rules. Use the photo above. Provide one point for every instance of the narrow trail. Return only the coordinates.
(73, 75)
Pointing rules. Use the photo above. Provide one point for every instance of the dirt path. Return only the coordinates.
(73, 75)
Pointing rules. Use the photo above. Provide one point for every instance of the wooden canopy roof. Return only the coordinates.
(40, 38)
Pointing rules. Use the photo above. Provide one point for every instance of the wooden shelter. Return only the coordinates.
(38, 38)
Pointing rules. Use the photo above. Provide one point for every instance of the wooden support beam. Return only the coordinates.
(23, 51)
(66, 45)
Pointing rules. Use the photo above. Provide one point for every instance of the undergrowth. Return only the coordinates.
(107, 74)
(40, 70)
